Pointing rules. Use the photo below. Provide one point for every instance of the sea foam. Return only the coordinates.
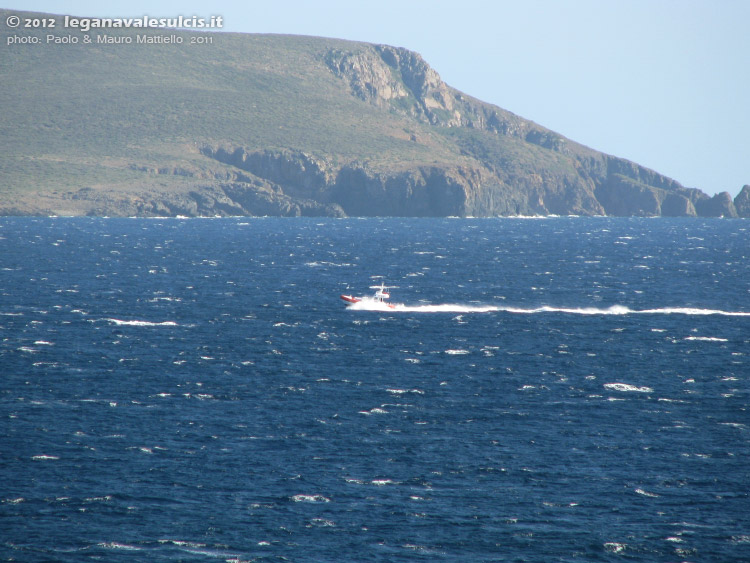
(625, 387)
(368, 304)
(120, 322)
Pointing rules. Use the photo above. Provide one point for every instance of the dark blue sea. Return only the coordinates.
(559, 389)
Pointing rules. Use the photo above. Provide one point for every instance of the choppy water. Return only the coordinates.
(560, 389)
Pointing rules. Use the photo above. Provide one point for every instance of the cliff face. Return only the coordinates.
(575, 180)
(742, 202)
(352, 189)
(293, 126)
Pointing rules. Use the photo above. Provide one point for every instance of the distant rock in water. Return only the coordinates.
(292, 126)
(742, 202)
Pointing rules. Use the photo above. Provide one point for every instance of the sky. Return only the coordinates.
(664, 83)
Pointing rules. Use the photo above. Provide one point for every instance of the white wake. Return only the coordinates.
(373, 305)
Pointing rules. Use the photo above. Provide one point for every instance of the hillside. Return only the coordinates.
(154, 122)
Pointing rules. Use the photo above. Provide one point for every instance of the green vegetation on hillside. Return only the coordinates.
(148, 103)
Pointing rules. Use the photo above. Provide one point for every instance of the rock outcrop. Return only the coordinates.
(720, 205)
(402, 81)
(742, 202)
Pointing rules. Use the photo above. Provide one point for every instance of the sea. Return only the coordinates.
(560, 389)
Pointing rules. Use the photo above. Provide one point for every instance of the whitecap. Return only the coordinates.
(117, 545)
(733, 424)
(382, 482)
(615, 547)
(182, 543)
(625, 387)
(457, 352)
(44, 457)
(215, 553)
(376, 410)
(120, 322)
(310, 498)
(318, 264)
(646, 493)
(706, 339)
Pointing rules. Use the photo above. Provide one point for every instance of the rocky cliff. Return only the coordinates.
(742, 202)
(576, 180)
(294, 126)
(591, 184)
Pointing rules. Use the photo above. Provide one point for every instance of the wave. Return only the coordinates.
(310, 498)
(626, 387)
(118, 545)
(119, 322)
(372, 305)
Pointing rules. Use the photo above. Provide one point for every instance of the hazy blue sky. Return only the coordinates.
(665, 83)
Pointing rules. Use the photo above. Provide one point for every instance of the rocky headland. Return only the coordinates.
(289, 126)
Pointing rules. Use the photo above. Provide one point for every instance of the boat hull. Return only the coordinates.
(352, 299)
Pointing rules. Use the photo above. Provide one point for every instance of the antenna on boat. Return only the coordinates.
(381, 292)
(383, 286)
